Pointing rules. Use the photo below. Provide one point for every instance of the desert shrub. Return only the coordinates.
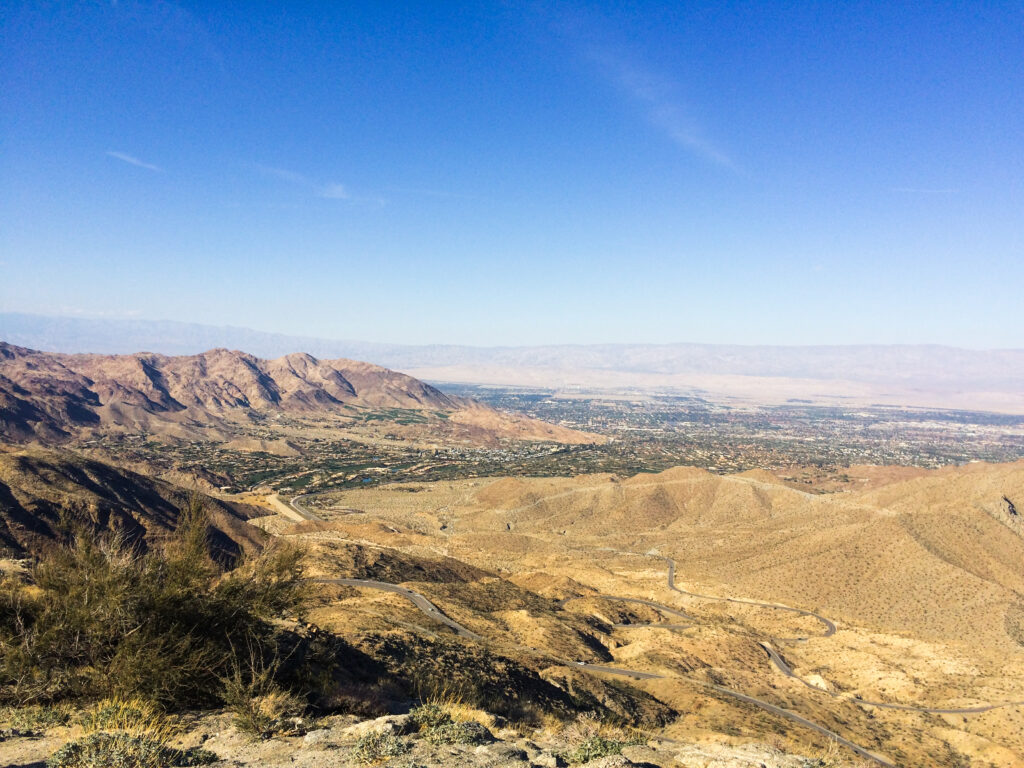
(368, 701)
(100, 620)
(261, 707)
(588, 738)
(594, 747)
(429, 715)
(458, 733)
(378, 746)
(125, 750)
(35, 718)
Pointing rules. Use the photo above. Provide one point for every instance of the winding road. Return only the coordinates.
(830, 628)
(304, 513)
(432, 611)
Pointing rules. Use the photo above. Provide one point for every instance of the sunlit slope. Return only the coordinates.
(938, 556)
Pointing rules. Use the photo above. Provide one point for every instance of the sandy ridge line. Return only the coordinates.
(641, 486)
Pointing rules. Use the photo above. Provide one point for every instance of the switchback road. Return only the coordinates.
(432, 611)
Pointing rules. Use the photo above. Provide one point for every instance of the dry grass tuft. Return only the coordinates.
(134, 716)
(448, 704)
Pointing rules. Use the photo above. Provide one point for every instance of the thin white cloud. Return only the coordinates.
(126, 158)
(658, 96)
(329, 191)
(335, 192)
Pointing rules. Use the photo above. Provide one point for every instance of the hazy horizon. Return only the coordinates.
(149, 324)
(490, 175)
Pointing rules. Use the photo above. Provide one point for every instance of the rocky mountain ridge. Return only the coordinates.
(51, 398)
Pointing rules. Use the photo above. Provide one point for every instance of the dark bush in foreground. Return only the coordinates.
(101, 620)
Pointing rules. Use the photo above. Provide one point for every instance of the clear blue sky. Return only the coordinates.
(515, 173)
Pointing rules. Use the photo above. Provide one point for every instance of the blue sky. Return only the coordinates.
(516, 173)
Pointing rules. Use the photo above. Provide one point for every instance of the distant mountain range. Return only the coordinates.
(925, 375)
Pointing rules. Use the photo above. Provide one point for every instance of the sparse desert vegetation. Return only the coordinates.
(97, 618)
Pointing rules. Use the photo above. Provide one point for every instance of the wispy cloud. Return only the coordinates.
(335, 192)
(924, 190)
(284, 175)
(126, 158)
(329, 191)
(656, 95)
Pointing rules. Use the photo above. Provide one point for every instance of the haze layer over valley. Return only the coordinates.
(928, 376)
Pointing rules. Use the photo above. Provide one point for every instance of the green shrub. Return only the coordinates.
(458, 733)
(429, 715)
(594, 747)
(35, 718)
(124, 750)
(377, 746)
(261, 707)
(168, 626)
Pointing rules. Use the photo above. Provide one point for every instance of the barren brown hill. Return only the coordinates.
(52, 398)
(939, 555)
(44, 494)
(918, 578)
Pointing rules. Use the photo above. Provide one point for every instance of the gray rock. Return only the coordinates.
(745, 756)
(501, 752)
(612, 761)
(642, 754)
(395, 724)
(318, 738)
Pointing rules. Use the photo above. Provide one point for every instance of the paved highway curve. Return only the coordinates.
(431, 610)
(830, 629)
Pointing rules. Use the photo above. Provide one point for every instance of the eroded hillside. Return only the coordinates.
(904, 634)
